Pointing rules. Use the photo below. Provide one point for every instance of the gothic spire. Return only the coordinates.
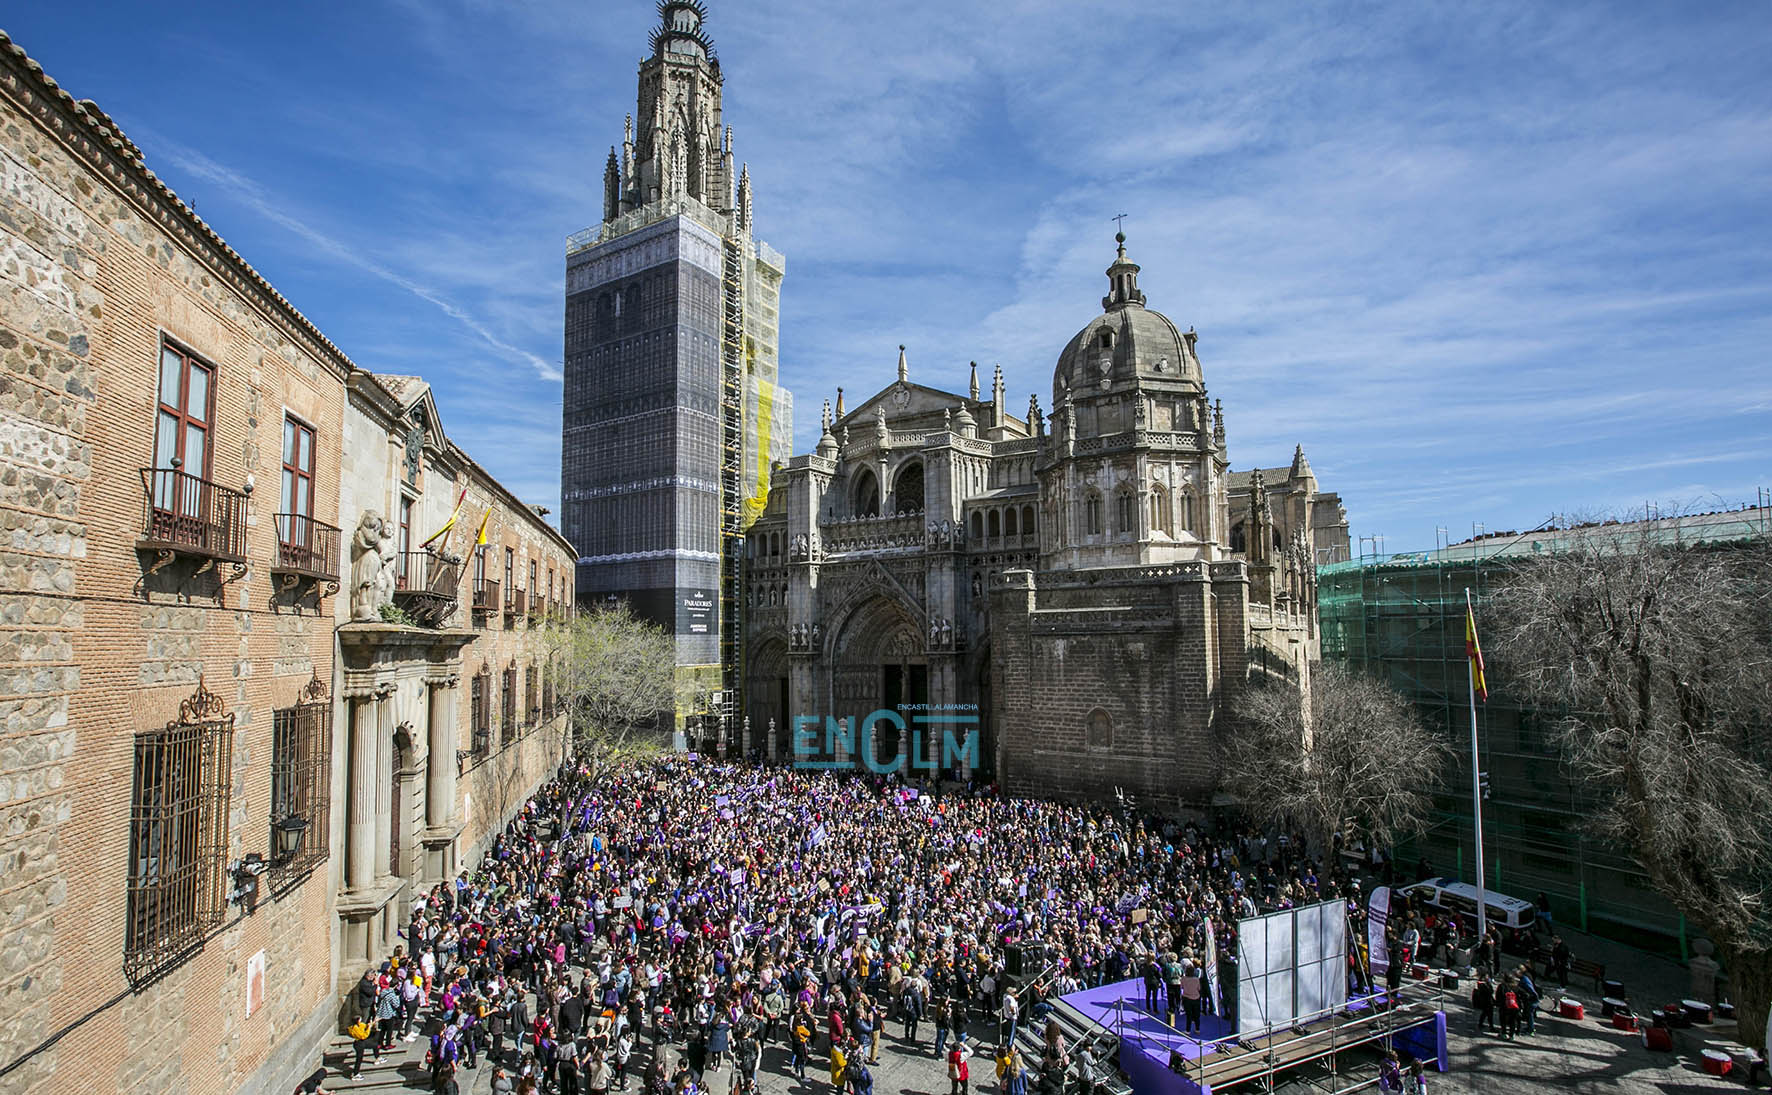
(972, 388)
(1301, 468)
(611, 187)
(904, 366)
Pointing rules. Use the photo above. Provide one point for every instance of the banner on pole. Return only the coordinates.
(1378, 914)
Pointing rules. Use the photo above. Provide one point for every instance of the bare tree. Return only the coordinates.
(614, 675)
(1659, 650)
(1359, 764)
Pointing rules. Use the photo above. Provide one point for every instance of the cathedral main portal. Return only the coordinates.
(878, 663)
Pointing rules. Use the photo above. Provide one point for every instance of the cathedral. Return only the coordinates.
(1089, 592)
(1066, 605)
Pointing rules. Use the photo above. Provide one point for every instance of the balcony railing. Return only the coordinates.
(425, 586)
(184, 514)
(538, 611)
(516, 605)
(485, 598)
(307, 548)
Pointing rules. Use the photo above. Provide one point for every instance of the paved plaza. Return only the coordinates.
(1563, 1055)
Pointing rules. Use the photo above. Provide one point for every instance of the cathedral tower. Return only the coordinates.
(671, 414)
(1135, 473)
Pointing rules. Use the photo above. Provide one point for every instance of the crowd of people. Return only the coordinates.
(670, 922)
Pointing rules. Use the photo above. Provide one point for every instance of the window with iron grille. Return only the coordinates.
(178, 836)
(480, 713)
(547, 691)
(509, 729)
(531, 711)
(301, 784)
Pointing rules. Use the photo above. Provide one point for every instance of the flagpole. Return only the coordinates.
(1470, 668)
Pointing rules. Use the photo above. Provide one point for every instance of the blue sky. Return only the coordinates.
(1486, 262)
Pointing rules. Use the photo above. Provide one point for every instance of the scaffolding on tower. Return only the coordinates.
(732, 493)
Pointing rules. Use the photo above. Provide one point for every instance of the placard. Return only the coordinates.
(255, 983)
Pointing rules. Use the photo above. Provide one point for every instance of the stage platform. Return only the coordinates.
(1213, 1058)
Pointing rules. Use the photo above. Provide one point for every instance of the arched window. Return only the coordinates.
(1009, 524)
(1160, 509)
(1098, 730)
(977, 525)
(1092, 514)
(1238, 539)
(1107, 339)
(867, 495)
(995, 525)
(1027, 520)
(908, 489)
(1187, 511)
(1123, 522)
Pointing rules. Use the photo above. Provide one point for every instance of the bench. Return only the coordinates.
(1580, 969)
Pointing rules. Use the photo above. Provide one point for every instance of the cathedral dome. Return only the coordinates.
(1128, 344)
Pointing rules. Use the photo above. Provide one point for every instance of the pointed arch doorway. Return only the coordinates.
(766, 699)
(879, 664)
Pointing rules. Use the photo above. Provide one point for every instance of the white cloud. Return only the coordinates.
(274, 208)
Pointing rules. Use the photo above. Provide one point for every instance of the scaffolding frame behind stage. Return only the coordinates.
(1261, 1058)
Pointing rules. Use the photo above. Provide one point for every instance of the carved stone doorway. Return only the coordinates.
(766, 698)
(880, 664)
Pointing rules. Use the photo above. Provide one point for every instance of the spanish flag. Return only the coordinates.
(449, 524)
(480, 537)
(1474, 652)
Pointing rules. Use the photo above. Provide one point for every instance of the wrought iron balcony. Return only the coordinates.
(184, 514)
(425, 586)
(308, 549)
(485, 598)
(516, 605)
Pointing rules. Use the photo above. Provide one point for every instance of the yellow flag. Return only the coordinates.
(449, 524)
(480, 537)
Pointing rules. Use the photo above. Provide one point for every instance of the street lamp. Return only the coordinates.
(288, 834)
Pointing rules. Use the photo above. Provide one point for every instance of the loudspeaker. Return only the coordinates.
(1012, 961)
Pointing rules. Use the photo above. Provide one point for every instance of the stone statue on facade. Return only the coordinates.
(372, 567)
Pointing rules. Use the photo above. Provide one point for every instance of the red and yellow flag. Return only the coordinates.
(449, 524)
(1474, 652)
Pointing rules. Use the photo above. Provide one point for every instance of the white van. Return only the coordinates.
(1461, 898)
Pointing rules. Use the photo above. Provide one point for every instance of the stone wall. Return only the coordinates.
(1115, 681)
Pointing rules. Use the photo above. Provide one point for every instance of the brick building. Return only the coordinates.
(195, 727)
(1089, 597)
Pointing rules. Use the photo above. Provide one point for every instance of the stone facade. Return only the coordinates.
(180, 576)
(423, 773)
(1071, 591)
